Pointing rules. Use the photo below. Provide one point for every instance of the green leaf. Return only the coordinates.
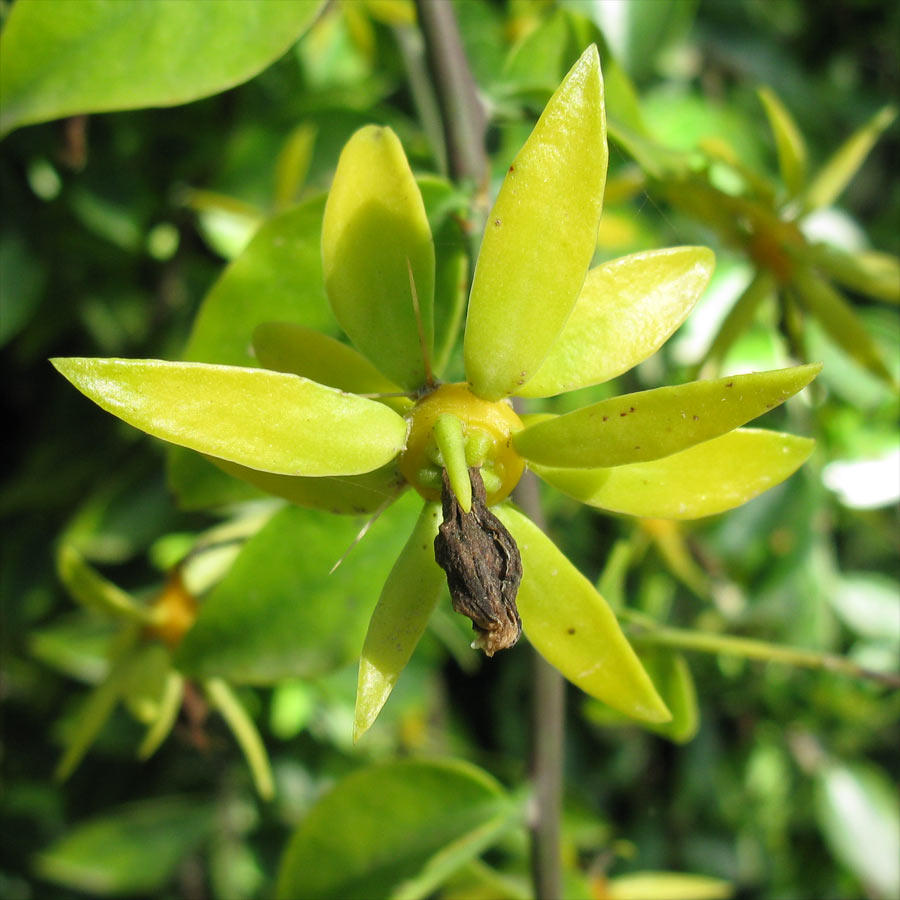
(830, 181)
(82, 56)
(343, 495)
(856, 807)
(652, 424)
(840, 321)
(666, 886)
(144, 688)
(133, 850)
(626, 311)
(407, 600)
(870, 272)
(574, 629)
(86, 585)
(264, 420)
(278, 278)
(703, 480)
(386, 824)
(789, 142)
(374, 230)
(286, 347)
(278, 612)
(540, 237)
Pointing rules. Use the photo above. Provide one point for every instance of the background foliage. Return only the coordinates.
(115, 228)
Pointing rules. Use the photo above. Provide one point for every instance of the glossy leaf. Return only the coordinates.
(703, 480)
(61, 59)
(374, 229)
(86, 585)
(830, 181)
(385, 825)
(840, 321)
(789, 142)
(341, 494)
(540, 237)
(264, 420)
(287, 347)
(867, 271)
(133, 850)
(574, 629)
(652, 424)
(278, 278)
(278, 613)
(625, 312)
(407, 600)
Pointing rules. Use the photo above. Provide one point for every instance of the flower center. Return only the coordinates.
(487, 428)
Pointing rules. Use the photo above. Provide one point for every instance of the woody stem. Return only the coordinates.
(547, 741)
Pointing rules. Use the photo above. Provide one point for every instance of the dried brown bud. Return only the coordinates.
(483, 567)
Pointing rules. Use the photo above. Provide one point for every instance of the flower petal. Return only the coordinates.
(540, 237)
(374, 227)
(789, 141)
(341, 495)
(703, 480)
(574, 629)
(265, 420)
(652, 424)
(398, 622)
(287, 347)
(625, 312)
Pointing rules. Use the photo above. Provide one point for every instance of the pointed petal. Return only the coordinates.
(374, 222)
(703, 480)
(652, 424)
(840, 320)
(264, 420)
(870, 272)
(835, 175)
(540, 237)
(170, 703)
(89, 588)
(287, 347)
(574, 629)
(625, 312)
(222, 698)
(342, 495)
(398, 622)
(789, 142)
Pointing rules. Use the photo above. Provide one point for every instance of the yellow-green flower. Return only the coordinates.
(333, 427)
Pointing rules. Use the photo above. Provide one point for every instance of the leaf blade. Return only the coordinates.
(62, 59)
